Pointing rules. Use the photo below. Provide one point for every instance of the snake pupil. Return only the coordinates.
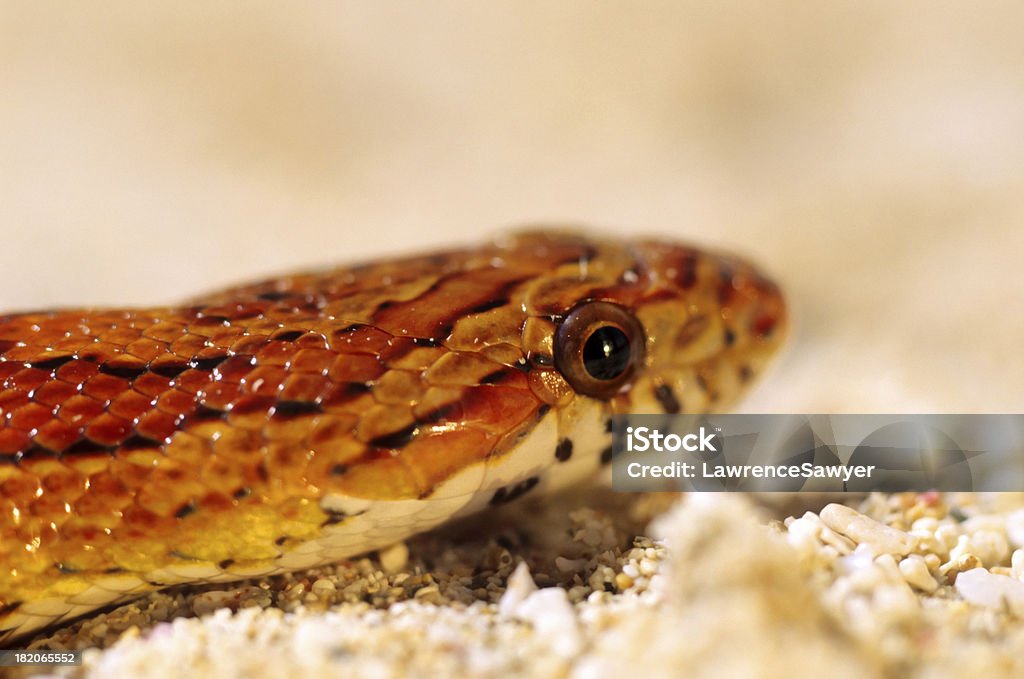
(606, 353)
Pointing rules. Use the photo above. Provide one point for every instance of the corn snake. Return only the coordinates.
(300, 420)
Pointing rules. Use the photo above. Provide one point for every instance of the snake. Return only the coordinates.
(303, 419)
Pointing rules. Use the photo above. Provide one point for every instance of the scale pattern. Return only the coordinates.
(227, 437)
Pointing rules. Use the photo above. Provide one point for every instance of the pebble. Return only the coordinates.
(569, 565)
(1017, 563)
(553, 618)
(865, 530)
(322, 586)
(965, 562)
(208, 602)
(1000, 592)
(520, 585)
(1015, 528)
(623, 582)
(394, 558)
(915, 572)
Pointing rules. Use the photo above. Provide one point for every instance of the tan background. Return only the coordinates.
(870, 155)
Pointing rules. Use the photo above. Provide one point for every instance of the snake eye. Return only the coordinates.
(598, 348)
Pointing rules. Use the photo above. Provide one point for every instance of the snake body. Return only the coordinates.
(304, 419)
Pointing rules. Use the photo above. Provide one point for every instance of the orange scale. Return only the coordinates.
(286, 463)
(130, 405)
(333, 458)
(22, 354)
(144, 457)
(384, 478)
(104, 387)
(249, 344)
(48, 507)
(8, 368)
(219, 395)
(31, 416)
(103, 506)
(82, 531)
(125, 365)
(168, 365)
(439, 403)
(265, 380)
(237, 446)
(142, 522)
(312, 341)
(175, 402)
(165, 331)
(346, 397)
(187, 345)
(263, 327)
(74, 556)
(286, 333)
(146, 349)
(77, 372)
(11, 400)
(192, 381)
(380, 422)
(276, 353)
(512, 378)
(331, 428)
(28, 379)
(288, 428)
(57, 435)
(416, 358)
(355, 368)
(20, 489)
(211, 352)
(174, 477)
(214, 501)
(120, 336)
(399, 387)
(188, 449)
(304, 387)
(65, 481)
(497, 409)
(316, 361)
(12, 441)
(79, 410)
(222, 339)
(108, 430)
(234, 369)
(129, 474)
(88, 464)
(222, 474)
(460, 369)
(151, 384)
(239, 310)
(99, 352)
(67, 344)
(435, 457)
(251, 412)
(157, 424)
(359, 339)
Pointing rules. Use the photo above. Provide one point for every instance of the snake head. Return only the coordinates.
(647, 326)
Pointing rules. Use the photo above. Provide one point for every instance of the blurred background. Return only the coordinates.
(869, 155)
